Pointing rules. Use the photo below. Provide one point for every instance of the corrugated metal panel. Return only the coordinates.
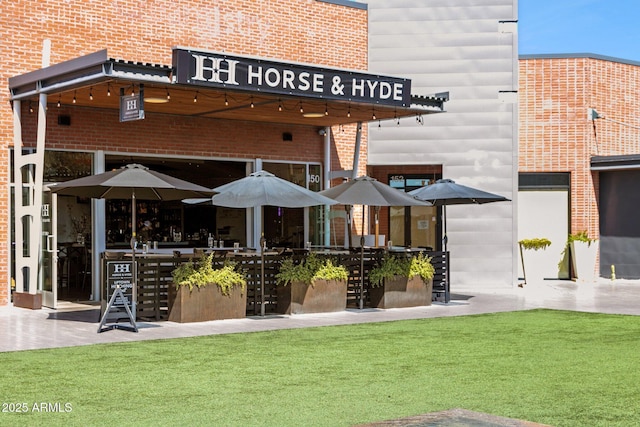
(458, 46)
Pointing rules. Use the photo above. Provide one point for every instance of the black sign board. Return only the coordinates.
(131, 107)
(120, 295)
(252, 74)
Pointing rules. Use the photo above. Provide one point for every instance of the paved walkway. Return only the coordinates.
(74, 324)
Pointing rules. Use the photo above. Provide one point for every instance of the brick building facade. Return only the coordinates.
(559, 134)
(323, 33)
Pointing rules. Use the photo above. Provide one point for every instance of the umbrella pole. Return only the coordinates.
(377, 211)
(134, 291)
(262, 249)
(347, 209)
(444, 224)
(361, 272)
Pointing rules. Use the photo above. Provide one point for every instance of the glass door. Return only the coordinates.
(48, 277)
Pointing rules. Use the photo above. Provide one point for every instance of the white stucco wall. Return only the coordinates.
(468, 48)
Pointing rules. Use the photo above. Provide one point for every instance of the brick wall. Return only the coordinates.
(555, 134)
(303, 30)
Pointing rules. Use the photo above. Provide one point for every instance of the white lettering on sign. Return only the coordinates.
(374, 89)
(132, 104)
(217, 67)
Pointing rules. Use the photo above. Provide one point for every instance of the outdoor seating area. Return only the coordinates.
(154, 275)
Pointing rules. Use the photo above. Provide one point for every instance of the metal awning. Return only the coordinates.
(617, 162)
(96, 81)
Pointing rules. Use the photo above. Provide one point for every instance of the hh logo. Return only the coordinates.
(121, 268)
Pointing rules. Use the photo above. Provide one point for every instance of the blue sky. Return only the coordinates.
(610, 28)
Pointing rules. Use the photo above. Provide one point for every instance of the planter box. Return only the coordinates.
(324, 296)
(27, 300)
(534, 263)
(402, 292)
(205, 303)
(584, 257)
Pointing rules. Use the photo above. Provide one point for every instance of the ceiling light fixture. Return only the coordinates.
(156, 100)
(312, 115)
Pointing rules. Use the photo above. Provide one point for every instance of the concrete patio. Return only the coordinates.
(76, 324)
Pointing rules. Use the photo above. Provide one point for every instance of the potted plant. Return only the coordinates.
(584, 252)
(533, 259)
(401, 281)
(202, 293)
(311, 285)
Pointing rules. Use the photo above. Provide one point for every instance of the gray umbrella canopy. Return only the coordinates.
(369, 191)
(263, 188)
(131, 180)
(447, 192)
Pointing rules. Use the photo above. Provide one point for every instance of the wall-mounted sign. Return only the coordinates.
(246, 73)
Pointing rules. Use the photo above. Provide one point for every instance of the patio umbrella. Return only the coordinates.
(446, 192)
(369, 191)
(365, 190)
(133, 182)
(263, 188)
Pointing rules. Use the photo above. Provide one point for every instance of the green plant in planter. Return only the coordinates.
(392, 266)
(203, 274)
(581, 236)
(309, 270)
(535, 243)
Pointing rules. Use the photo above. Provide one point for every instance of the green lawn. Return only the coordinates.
(554, 367)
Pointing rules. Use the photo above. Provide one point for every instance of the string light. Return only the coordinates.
(133, 90)
(301, 109)
(373, 116)
(279, 105)
(108, 89)
(59, 100)
(252, 102)
(349, 111)
(326, 109)
(168, 95)
(195, 97)
(30, 107)
(91, 93)
(74, 96)
(226, 101)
